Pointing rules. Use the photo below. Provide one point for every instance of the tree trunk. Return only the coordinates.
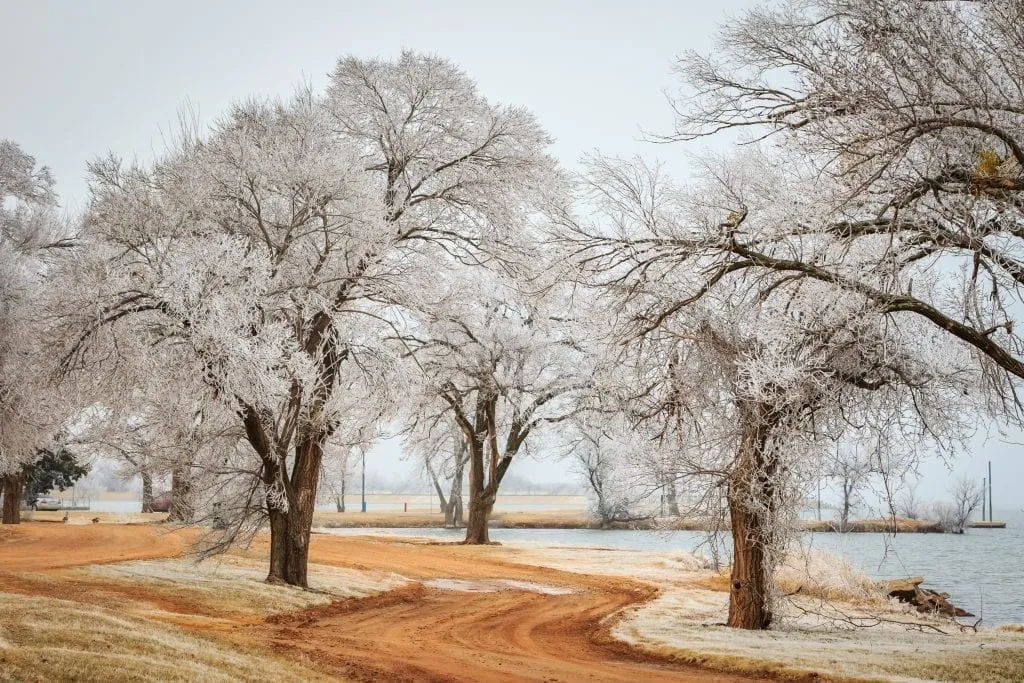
(458, 517)
(181, 510)
(13, 490)
(453, 510)
(751, 503)
(278, 550)
(479, 514)
(672, 498)
(748, 604)
(290, 530)
(480, 503)
(147, 491)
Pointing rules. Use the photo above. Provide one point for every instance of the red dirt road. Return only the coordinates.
(413, 633)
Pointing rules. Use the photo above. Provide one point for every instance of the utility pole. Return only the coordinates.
(991, 518)
(984, 483)
(819, 499)
(364, 480)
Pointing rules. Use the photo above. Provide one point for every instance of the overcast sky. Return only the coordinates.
(82, 79)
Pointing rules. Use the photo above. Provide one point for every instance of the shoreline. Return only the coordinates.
(565, 520)
(549, 519)
(535, 612)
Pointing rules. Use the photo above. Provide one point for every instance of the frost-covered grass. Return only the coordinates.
(814, 632)
(43, 639)
(816, 573)
(235, 585)
(687, 623)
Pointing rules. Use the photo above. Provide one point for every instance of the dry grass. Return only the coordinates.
(87, 517)
(885, 525)
(42, 639)
(235, 586)
(819, 574)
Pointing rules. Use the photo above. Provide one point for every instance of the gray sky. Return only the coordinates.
(85, 78)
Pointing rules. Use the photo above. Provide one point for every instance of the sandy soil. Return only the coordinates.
(479, 616)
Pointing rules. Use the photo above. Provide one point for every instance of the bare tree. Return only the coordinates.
(908, 504)
(506, 365)
(955, 516)
(850, 469)
(604, 457)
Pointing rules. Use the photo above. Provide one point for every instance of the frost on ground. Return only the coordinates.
(48, 639)
(495, 586)
(236, 585)
(829, 626)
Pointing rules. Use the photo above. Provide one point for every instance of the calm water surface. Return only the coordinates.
(982, 570)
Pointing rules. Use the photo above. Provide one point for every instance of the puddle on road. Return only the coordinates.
(495, 586)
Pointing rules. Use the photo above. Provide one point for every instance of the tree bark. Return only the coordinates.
(290, 529)
(480, 503)
(147, 491)
(13, 489)
(480, 507)
(278, 550)
(750, 499)
(182, 509)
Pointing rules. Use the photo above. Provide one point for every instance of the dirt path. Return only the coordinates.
(40, 546)
(413, 633)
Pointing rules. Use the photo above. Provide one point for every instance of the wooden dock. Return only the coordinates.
(988, 525)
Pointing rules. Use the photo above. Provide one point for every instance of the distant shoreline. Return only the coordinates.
(575, 520)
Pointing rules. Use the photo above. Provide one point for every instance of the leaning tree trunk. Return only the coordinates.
(13, 489)
(147, 491)
(182, 509)
(339, 501)
(455, 499)
(750, 502)
(453, 506)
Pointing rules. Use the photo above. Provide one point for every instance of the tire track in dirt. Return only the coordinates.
(415, 633)
(40, 546)
(420, 633)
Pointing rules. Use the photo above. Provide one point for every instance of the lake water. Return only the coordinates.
(982, 570)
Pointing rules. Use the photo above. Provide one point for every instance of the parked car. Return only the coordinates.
(46, 503)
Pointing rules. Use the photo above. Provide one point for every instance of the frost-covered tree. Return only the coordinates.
(271, 256)
(31, 413)
(435, 441)
(849, 466)
(506, 364)
(753, 375)
(908, 115)
(605, 452)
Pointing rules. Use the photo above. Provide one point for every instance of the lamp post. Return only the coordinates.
(364, 481)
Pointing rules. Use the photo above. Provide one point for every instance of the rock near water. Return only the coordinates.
(909, 590)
